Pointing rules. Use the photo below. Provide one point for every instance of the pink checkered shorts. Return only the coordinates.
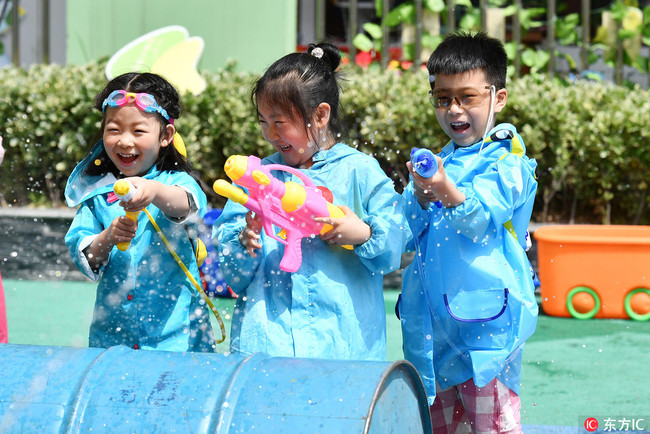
(466, 408)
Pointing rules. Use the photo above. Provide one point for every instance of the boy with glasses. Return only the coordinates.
(468, 303)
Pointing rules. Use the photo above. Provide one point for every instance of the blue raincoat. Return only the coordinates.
(468, 303)
(332, 307)
(144, 299)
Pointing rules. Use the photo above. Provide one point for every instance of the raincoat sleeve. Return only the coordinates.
(492, 196)
(237, 265)
(84, 229)
(418, 218)
(196, 197)
(384, 213)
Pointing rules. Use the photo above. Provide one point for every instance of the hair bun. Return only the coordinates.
(326, 52)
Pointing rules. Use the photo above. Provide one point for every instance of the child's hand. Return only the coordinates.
(437, 188)
(250, 235)
(170, 199)
(145, 192)
(121, 230)
(349, 229)
(423, 187)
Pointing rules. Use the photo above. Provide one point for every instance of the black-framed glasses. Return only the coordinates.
(469, 98)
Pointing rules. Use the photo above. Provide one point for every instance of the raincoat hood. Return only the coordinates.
(503, 137)
(81, 186)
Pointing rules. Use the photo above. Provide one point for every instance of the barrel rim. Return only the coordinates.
(419, 390)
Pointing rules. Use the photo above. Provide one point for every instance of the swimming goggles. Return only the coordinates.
(145, 102)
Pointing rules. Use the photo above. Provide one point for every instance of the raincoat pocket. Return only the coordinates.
(482, 317)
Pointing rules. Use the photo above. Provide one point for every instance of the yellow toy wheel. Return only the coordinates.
(637, 304)
(583, 302)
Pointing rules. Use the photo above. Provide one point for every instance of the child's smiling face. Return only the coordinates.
(466, 124)
(287, 135)
(132, 138)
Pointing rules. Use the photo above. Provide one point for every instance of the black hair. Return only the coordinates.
(462, 51)
(169, 159)
(297, 83)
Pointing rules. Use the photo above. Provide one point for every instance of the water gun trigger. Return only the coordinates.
(267, 222)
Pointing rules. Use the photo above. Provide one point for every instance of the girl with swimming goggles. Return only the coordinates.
(144, 298)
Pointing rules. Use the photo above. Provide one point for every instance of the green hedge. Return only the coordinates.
(590, 139)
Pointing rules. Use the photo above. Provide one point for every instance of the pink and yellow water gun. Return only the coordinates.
(288, 205)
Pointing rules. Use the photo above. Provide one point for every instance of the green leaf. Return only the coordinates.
(374, 30)
(571, 61)
(618, 11)
(404, 13)
(511, 49)
(509, 10)
(471, 20)
(497, 3)
(526, 17)
(408, 51)
(602, 35)
(566, 25)
(566, 29)
(435, 5)
(362, 42)
(646, 18)
(430, 41)
(535, 59)
(641, 63)
(627, 34)
(379, 7)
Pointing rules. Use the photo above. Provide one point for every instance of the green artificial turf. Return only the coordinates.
(572, 369)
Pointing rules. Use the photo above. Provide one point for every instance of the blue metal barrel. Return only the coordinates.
(61, 389)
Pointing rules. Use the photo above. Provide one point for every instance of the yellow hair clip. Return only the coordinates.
(179, 144)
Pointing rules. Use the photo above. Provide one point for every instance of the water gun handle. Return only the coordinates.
(425, 164)
(124, 190)
(292, 258)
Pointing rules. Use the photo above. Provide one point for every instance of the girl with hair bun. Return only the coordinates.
(333, 306)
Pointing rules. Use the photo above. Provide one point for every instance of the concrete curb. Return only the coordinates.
(29, 212)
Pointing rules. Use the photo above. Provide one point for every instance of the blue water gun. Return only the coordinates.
(425, 164)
